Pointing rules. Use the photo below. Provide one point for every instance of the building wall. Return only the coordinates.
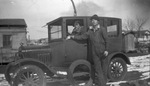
(17, 39)
(144, 38)
(18, 35)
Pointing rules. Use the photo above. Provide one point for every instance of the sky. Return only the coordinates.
(38, 12)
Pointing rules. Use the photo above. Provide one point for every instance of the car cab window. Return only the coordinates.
(56, 32)
(112, 28)
(71, 29)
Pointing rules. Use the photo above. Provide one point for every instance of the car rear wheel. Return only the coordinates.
(117, 69)
(79, 73)
(29, 75)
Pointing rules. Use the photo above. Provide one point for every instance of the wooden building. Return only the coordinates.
(128, 41)
(144, 35)
(12, 33)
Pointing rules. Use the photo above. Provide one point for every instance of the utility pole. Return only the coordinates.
(75, 12)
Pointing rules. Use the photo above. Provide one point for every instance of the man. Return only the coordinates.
(77, 28)
(97, 36)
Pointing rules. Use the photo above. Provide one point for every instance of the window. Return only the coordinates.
(70, 29)
(56, 32)
(112, 28)
(70, 25)
(7, 41)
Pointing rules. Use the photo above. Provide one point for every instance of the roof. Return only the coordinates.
(13, 22)
(142, 32)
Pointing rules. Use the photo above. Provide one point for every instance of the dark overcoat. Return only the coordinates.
(98, 40)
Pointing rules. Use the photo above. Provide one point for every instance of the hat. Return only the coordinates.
(95, 17)
(77, 22)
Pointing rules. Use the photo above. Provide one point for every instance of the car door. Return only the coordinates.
(57, 45)
(75, 49)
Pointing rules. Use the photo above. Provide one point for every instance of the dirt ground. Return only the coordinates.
(138, 74)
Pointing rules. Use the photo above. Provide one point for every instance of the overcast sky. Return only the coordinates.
(38, 12)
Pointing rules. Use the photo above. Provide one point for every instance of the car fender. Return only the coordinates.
(27, 61)
(119, 54)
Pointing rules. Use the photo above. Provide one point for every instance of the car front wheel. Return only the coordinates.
(29, 75)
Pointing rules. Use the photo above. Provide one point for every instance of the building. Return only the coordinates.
(12, 33)
(128, 42)
(136, 41)
(144, 35)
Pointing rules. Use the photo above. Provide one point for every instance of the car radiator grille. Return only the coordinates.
(44, 57)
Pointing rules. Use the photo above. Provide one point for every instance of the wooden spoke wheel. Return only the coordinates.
(117, 69)
(29, 75)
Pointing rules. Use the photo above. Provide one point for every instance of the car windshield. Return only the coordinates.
(56, 32)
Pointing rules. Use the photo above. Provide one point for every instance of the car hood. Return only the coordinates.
(38, 52)
(34, 47)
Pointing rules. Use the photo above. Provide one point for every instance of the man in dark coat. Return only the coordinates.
(78, 29)
(97, 36)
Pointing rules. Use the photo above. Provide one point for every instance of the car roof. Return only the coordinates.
(58, 20)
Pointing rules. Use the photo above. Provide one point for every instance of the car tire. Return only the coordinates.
(9, 72)
(29, 75)
(72, 69)
(117, 69)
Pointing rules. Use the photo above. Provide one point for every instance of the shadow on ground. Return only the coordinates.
(133, 75)
(58, 84)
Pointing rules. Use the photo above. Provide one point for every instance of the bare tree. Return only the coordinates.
(129, 24)
(140, 21)
(135, 24)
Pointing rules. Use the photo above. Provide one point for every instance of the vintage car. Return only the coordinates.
(33, 64)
